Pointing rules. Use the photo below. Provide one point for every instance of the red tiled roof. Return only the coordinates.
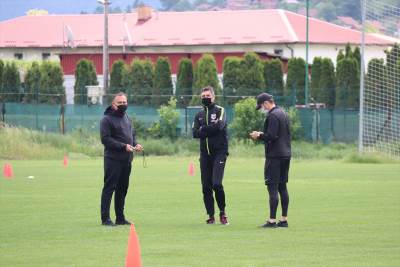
(177, 28)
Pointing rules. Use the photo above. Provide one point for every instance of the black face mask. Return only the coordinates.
(206, 101)
(122, 108)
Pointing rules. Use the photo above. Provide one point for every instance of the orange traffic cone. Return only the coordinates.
(133, 254)
(65, 162)
(8, 171)
(191, 169)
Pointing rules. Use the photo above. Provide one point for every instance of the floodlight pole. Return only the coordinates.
(362, 77)
(306, 71)
(105, 3)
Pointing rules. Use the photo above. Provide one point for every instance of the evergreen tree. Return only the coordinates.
(184, 82)
(327, 83)
(340, 56)
(348, 51)
(139, 81)
(347, 88)
(273, 76)
(118, 70)
(205, 74)
(85, 74)
(357, 55)
(32, 83)
(374, 84)
(316, 78)
(162, 82)
(52, 90)
(295, 81)
(1, 79)
(11, 82)
(252, 76)
(232, 79)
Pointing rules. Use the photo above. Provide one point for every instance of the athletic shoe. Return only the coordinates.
(223, 219)
(108, 222)
(211, 220)
(269, 225)
(282, 224)
(123, 222)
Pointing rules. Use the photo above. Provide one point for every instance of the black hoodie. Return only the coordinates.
(116, 131)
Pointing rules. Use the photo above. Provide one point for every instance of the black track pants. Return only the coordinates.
(116, 179)
(212, 172)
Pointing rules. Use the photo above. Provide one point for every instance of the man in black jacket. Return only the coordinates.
(210, 127)
(276, 137)
(118, 138)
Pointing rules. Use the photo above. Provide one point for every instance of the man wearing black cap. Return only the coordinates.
(276, 137)
(209, 126)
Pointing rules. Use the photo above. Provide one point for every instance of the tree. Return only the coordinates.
(392, 72)
(347, 88)
(327, 83)
(273, 76)
(139, 81)
(184, 82)
(162, 82)
(327, 11)
(32, 83)
(167, 126)
(252, 75)
(118, 71)
(205, 74)
(340, 56)
(11, 82)
(85, 74)
(246, 119)
(357, 55)
(232, 79)
(1, 78)
(348, 51)
(374, 83)
(316, 78)
(295, 81)
(52, 90)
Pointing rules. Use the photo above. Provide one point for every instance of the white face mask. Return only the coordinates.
(264, 111)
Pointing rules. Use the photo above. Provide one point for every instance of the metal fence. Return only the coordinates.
(318, 124)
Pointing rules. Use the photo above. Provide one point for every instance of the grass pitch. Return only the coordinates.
(340, 214)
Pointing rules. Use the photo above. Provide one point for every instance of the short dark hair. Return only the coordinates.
(208, 88)
(120, 94)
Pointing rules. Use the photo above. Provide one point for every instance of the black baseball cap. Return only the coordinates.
(261, 98)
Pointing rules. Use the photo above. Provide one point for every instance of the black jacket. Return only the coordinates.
(116, 131)
(210, 126)
(276, 134)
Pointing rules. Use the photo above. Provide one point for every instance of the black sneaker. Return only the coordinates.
(282, 224)
(211, 220)
(122, 222)
(108, 222)
(223, 219)
(269, 225)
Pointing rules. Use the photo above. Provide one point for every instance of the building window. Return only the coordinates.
(45, 56)
(18, 56)
(278, 52)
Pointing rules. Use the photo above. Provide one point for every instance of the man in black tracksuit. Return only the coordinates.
(210, 126)
(276, 137)
(118, 138)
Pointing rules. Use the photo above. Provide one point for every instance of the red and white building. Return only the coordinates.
(149, 34)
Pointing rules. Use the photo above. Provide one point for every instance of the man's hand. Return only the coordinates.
(255, 135)
(138, 148)
(129, 148)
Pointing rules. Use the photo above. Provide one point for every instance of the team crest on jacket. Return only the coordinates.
(213, 116)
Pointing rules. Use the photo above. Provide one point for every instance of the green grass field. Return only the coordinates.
(340, 214)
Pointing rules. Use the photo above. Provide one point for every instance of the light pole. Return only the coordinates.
(306, 78)
(105, 3)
